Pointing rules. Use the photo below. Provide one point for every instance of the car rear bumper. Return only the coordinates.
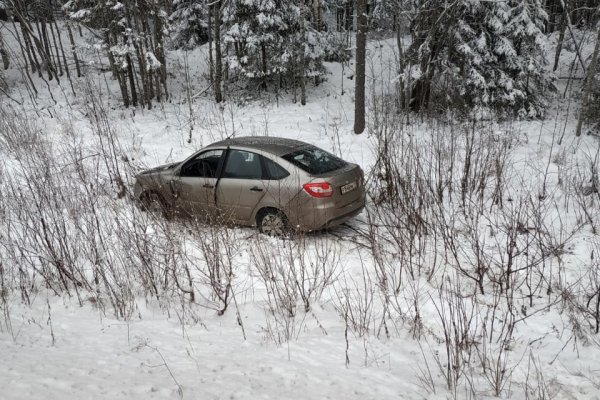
(317, 214)
(343, 218)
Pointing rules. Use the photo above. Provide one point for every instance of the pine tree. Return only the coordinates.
(275, 41)
(278, 44)
(489, 53)
(189, 23)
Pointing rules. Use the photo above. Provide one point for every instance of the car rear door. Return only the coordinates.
(195, 183)
(241, 186)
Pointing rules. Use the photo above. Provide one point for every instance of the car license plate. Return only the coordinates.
(348, 188)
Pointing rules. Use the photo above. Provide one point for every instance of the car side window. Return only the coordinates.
(243, 165)
(204, 165)
(274, 170)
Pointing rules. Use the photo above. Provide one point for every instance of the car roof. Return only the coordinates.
(274, 145)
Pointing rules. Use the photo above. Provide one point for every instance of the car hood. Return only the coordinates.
(157, 174)
(160, 169)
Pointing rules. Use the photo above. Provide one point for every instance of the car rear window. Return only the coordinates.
(314, 160)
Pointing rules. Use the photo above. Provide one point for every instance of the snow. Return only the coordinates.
(57, 348)
(80, 14)
(152, 61)
(97, 357)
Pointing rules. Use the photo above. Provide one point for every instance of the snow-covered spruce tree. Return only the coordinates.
(189, 23)
(275, 41)
(384, 15)
(131, 30)
(486, 56)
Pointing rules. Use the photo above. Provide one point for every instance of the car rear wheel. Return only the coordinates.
(273, 223)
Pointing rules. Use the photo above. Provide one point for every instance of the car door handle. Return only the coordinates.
(256, 189)
(208, 186)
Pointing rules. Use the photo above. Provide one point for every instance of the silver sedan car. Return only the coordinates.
(275, 184)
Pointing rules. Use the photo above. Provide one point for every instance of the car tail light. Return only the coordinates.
(322, 189)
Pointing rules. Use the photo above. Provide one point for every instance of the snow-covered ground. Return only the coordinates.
(152, 356)
(63, 347)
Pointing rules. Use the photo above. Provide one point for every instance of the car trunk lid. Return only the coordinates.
(347, 184)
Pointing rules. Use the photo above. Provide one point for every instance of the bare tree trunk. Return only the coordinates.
(62, 50)
(401, 63)
(137, 21)
(131, 74)
(27, 31)
(32, 53)
(153, 72)
(111, 58)
(26, 59)
(160, 52)
(47, 54)
(211, 61)
(318, 14)
(4, 54)
(348, 10)
(263, 52)
(56, 49)
(588, 84)
(35, 64)
(570, 26)
(218, 55)
(293, 75)
(302, 57)
(145, 47)
(64, 56)
(74, 51)
(226, 70)
(158, 92)
(24, 52)
(561, 39)
(361, 53)
(119, 71)
(123, 86)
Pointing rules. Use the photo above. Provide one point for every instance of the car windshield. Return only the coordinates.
(314, 160)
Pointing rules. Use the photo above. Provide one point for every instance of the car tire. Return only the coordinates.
(273, 222)
(154, 204)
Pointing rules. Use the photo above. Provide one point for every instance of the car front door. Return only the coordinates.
(194, 187)
(241, 186)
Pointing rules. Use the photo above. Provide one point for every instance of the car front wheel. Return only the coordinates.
(154, 204)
